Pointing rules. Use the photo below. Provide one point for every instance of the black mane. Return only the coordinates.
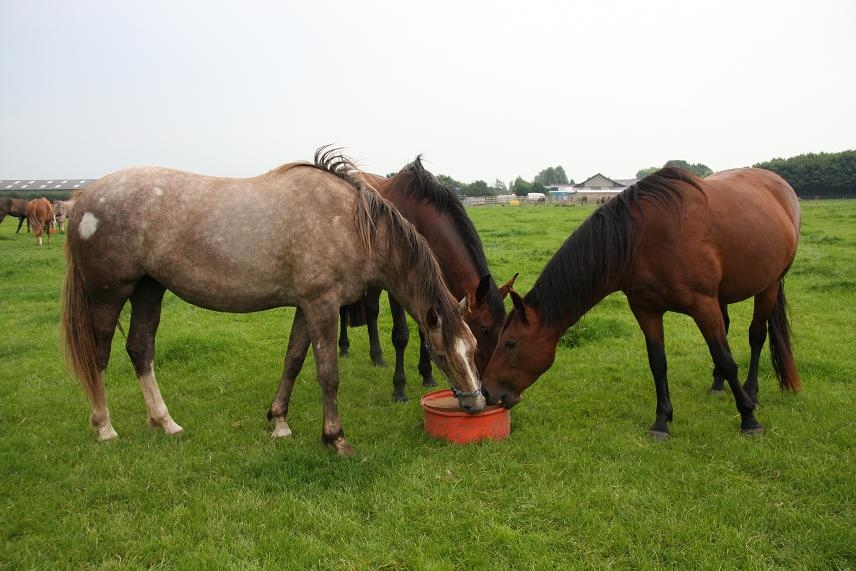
(602, 249)
(422, 185)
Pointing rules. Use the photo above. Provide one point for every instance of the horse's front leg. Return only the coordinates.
(295, 355)
(372, 303)
(426, 371)
(321, 324)
(344, 340)
(651, 324)
(400, 339)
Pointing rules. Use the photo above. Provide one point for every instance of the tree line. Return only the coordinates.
(821, 175)
(811, 175)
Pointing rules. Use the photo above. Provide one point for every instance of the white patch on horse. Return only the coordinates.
(461, 349)
(88, 226)
(158, 191)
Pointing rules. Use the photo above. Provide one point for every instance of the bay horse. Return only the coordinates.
(16, 207)
(132, 235)
(439, 216)
(40, 217)
(670, 242)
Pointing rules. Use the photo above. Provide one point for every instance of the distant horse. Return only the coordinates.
(40, 217)
(16, 207)
(326, 237)
(670, 242)
(61, 210)
(439, 216)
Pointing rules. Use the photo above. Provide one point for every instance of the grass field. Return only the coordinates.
(576, 485)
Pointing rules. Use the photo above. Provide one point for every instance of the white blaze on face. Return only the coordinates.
(88, 226)
(462, 348)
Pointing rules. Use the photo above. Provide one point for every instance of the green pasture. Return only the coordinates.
(577, 484)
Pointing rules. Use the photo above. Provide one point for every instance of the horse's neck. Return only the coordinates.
(407, 284)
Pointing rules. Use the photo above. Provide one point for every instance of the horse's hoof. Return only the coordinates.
(281, 430)
(715, 390)
(399, 398)
(380, 363)
(342, 447)
(429, 382)
(106, 434)
(752, 431)
(658, 435)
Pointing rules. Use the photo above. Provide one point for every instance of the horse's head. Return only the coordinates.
(523, 353)
(484, 313)
(455, 355)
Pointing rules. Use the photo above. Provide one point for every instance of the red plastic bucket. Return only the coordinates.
(445, 419)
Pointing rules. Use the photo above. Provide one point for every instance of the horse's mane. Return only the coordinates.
(373, 210)
(422, 185)
(602, 248)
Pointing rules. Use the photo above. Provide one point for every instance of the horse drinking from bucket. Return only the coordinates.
(439, 216)
(330, 237)
(40, 216)
(671, 242)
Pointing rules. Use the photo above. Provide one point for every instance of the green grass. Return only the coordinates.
(576, 485)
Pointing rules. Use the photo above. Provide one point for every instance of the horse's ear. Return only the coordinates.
(483, 289)
(507, 286)
(432, 319)
(464, 304)
(519, 306)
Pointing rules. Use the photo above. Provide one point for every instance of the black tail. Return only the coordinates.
(780, 344)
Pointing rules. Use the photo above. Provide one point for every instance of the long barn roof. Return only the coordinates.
(45, 184)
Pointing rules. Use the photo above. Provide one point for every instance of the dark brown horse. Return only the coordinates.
(40, 217)
(671, 242)
(439, 216)
(132, 235)
(16, 207)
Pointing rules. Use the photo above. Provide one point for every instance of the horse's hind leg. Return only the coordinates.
(105, 316)
(765, 303)
(709, 320)
(295, 355)
(718, 378)
(146, 303)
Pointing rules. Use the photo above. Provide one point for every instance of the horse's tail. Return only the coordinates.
(34, 220)
(780, 344)
(78, 333)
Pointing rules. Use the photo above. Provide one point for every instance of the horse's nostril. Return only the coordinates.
(486, 394)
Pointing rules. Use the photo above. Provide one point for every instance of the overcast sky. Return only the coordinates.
(485, 90)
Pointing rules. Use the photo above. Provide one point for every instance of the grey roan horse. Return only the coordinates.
(332, 236)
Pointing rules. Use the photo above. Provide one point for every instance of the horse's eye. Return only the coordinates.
(510, 343)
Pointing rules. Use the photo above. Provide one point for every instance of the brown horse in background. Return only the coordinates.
(16, 207)
(670, 242)
(321, 223)
(40, 216)
(439, 216)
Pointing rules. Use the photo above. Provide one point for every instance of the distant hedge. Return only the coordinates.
(822, 175)
(30, 194)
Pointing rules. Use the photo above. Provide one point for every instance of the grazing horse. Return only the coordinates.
(16, 207)
(40, 216)
(670, 242)
(131, 236)
(439, 216)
